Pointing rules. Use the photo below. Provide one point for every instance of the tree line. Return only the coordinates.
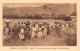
(43, 16)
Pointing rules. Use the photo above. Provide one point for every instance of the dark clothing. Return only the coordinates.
(48, 29)
(15, 32)
(18, 28)
(27, 33)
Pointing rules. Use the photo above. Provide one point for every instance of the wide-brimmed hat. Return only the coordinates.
(56, 22)
(27, 23)
(7, 21)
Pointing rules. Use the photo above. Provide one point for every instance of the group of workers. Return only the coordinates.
(27, 30)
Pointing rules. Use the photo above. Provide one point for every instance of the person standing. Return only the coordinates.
(22, 33)
(27, 31)
(58, 29)
(37, 26)
(48, 29)
(34, 30)
(18, 27)
(15, 31)
(40, 34)
(7, 30)
(51, 26)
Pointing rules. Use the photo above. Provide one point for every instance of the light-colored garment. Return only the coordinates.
(33, 32)
(24, 25)
(40, 29)
(67, 25)
(63, 27)
(45, 32)
(6, 31)
(51, 24)
(34, 29)
(37, 26)
(40, 34)
(6, 37)
(22, 31)
(43, 26)
(21, 36)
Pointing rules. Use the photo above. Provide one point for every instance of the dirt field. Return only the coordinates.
(68, 36)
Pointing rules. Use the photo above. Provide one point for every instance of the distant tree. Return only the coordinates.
(68, 18)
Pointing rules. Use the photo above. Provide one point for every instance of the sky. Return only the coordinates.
(28, 4)
(23, 4)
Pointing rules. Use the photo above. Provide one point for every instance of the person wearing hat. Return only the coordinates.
(7, 29)
(58, 29)
(6, 32)
(40, 32)
(27, 31)
(34, 30)
(45, 32)
(15, 31)
(18, 27)
(48, 28)
(22, 33)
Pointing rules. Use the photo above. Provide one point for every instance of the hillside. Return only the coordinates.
(58, 9)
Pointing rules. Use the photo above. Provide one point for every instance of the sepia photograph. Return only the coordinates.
(39, 24)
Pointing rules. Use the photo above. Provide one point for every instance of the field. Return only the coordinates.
(68, 35)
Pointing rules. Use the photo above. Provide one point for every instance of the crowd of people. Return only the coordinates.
(27, 30)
